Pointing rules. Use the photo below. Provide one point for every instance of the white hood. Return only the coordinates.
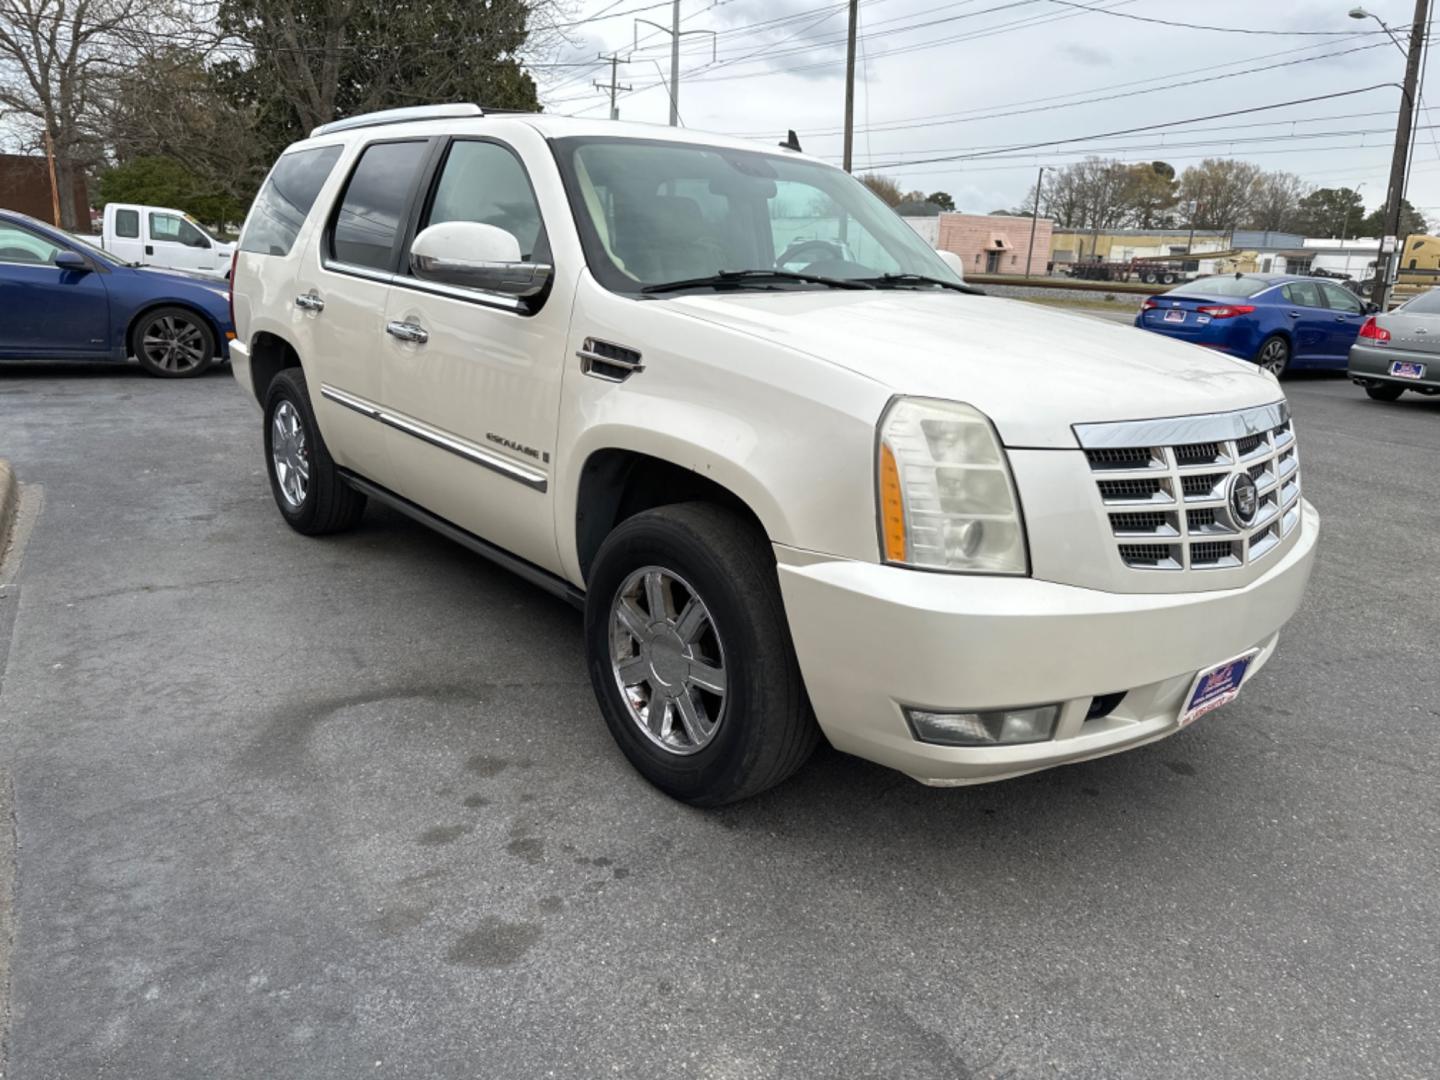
(1033, 371)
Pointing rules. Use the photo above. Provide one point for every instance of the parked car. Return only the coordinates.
(1281, 322)
(1400, 350)
(970, 537)
(160, 236)
(62, 299)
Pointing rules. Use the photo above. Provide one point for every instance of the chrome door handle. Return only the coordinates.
(408, 331)
(1293, 314)
(309, 302)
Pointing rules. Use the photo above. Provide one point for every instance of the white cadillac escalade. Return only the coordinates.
(800, 478)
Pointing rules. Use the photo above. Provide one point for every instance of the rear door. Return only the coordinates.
(46, 311)
(121, 233)
(339, 299)
(1308, 318)
(1347, 315)
(477, 400)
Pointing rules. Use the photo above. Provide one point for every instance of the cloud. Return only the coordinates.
(1087, 55)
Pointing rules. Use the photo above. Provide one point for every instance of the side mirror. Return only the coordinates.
(1370, 308)
(476, 256)
(71, 260)
(954, 262)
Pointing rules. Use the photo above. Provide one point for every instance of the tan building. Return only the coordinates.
(995, 244)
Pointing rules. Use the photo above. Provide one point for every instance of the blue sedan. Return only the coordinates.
(61, 299)
(1277, 321)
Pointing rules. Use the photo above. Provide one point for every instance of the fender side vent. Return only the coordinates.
(608, 361)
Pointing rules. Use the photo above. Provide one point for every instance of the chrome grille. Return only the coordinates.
(1167, 498)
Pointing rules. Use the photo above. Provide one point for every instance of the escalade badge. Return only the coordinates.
(1244, 499)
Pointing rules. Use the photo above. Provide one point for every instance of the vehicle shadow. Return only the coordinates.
(85, 369)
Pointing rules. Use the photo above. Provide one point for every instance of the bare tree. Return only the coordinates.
(1221, 190)
(55, 56)
(1275, 200)
(885, 187)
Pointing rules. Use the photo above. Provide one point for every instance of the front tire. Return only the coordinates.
(173, 343)
(1274, 355)
(308, 489)
(690, 655)
(1385, 392)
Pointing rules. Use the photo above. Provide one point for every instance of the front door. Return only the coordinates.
(176, 244)
(1309, 319)
(1347, 315)
(474, 377)
(46, 311)
(992, 262)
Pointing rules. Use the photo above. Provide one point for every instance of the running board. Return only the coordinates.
(554, 585)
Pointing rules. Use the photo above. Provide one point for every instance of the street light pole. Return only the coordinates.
(675, 35)
(1395, 193)
(850, 85)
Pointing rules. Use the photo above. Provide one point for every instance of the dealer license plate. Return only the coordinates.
(1175, 316)
(1407, 369)
(1215, 687)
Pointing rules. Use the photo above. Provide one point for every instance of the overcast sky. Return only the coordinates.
(935, 74)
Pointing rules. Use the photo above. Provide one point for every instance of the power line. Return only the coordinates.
(1215, 29)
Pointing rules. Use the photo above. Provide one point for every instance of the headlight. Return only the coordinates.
(947, 501)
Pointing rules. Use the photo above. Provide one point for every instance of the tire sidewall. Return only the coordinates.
(735, 744)
(287, 387)
(138, 334)
(1260, 354)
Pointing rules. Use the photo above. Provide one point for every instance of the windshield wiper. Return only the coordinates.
(740, 278)
(902, 281)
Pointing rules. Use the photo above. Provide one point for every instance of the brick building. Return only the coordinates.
(995, 244)
(25, 186)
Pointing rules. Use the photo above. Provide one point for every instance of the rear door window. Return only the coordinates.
(285, 200)
(377, 199)
(1303, 293)
(127, 224)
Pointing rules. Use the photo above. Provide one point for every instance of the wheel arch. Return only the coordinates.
(619, 479)
(270, 354)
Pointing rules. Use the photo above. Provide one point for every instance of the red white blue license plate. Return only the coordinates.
(1407, 369)
(1175, 316)
(1215, 687)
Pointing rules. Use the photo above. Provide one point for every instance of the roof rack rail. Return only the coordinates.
(401, 116)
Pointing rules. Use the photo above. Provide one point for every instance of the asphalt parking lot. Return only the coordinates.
(342, 808)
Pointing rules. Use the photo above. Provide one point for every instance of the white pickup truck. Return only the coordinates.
(161, 237)
(802, 480)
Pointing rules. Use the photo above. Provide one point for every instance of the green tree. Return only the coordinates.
(941, 199)
(163, 181)
(311, 61)
(1411, 222)
(1330, 212)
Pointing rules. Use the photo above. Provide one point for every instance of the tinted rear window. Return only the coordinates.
(375, 202)
(286, 198)
(1221, 285)
(127, 224)
(1427, 303)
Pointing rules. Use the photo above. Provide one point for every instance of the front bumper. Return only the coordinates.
(1369, 365)
(872, 638)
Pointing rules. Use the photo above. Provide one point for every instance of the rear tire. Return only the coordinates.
(308, 489)
(1274, 355)
(1385, 392)
(650, 647)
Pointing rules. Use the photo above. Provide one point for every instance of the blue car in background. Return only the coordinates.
(1277, 321)
(61, 299)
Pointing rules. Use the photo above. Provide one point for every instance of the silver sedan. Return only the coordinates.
(1400, 350)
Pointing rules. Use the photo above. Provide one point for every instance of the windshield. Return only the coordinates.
(654, 212)
(1221, 285)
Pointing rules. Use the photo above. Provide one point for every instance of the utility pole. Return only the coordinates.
(850, 85)
(675, 35)
(1034, 219)
(1396, 190)
(613, 87)
(54, 187)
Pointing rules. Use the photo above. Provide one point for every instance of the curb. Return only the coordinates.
(9, 502)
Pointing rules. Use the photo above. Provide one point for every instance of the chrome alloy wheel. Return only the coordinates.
(667, 660)
(290, 454)
(174, 344)
(1273, 356)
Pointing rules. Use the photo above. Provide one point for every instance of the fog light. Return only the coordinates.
(1000, 727)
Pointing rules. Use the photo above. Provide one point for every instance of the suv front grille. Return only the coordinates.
(1169, 505)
